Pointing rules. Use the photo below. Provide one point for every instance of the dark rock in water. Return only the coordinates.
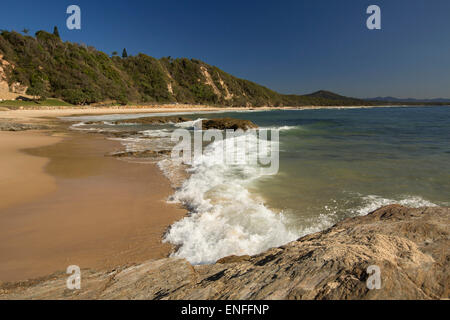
(228, 123)
(10, 126)
(141, 154)
(120, 134)
(154, 120)
(146, 120)
(410, 246)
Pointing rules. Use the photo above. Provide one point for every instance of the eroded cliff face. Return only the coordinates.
(410, 246)
(9, 92)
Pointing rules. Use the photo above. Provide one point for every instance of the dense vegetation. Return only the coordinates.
(80, 75)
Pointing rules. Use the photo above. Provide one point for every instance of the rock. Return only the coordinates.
(233, 259)
(154, 120)
(228, 123)
(121, 134)
(146, 120)
(10, 126)
(410, 246)
(141, 154)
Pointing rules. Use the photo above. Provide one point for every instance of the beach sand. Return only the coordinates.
(64, 203)
(22, 176)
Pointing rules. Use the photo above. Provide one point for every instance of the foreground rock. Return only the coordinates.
(228, 123)
(411, 247)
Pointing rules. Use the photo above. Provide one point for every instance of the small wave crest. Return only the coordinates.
(190, 124)
(374, 202)
(281, 128)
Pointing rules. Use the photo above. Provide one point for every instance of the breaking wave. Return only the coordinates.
(225, 217)
(374, 202)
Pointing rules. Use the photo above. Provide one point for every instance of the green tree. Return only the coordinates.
(124, 53)
(26, 30)
(114, 53)
(56, 32)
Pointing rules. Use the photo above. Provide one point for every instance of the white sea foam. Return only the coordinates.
(281, 128)
(225, 217)
(79, 126)
(190, 124)
(144, 140)
(373, 202)
(285, 128)
(163, 133)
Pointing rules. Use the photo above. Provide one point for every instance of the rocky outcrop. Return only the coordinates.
(141, 154)
(410, 246)
(154, 120)
(9, 92)
(11, 126)
(146, 120)
(228, 123)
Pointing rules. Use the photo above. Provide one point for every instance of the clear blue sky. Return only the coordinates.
(292, 46)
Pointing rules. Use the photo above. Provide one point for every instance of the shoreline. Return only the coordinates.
(44, 113)
(84, 208)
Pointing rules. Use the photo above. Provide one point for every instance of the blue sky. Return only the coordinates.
(291, 46)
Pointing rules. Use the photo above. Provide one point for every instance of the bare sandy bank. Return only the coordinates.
(55, 112)
(64, 203)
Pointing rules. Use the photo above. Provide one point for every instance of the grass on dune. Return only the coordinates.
(43, 103)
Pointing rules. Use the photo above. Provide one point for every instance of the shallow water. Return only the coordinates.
(334, 163)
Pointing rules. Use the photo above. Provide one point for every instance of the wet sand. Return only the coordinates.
(64, 203)
(22, 176)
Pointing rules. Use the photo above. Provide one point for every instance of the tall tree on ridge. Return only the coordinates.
(124, 53)
(56, 32)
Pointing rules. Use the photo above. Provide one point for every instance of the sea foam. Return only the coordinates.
(225, 218)
(374, 202)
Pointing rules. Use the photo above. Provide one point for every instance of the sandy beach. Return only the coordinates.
(64, 203)
(41, 113)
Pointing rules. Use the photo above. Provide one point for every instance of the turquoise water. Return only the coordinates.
(344, 162)
(340, 163)
(334, 163)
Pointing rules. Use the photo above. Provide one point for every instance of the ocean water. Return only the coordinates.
(333, 164)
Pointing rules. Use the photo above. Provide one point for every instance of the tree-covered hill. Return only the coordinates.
(79, 74)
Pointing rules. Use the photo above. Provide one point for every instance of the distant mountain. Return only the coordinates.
(328, 98)
(409, 100)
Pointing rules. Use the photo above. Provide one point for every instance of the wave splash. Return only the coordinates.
(225, 217)
(374, 202)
